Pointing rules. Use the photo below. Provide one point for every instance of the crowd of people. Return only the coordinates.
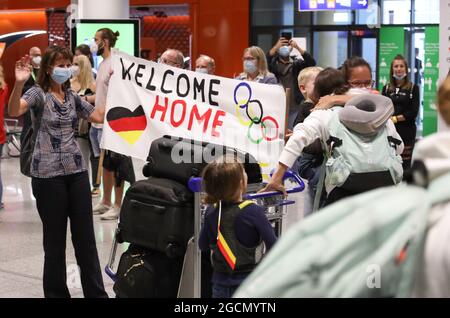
(62, 99)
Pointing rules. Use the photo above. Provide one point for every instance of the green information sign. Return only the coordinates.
(392, 42)
(431, 77)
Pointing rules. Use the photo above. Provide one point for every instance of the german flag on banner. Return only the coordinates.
(129, 125)
(226, 251)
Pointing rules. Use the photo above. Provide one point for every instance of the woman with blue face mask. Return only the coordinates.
(405, 96)
(60, 181)
(255, 67)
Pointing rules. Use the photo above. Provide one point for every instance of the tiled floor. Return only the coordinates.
(21, 252)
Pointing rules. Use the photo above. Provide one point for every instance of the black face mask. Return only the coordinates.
(101, 49)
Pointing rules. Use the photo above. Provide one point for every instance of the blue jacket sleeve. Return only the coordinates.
(262, 225)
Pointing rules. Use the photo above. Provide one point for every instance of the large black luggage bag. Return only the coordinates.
(145, 273)
(180, 159)
(158, 214)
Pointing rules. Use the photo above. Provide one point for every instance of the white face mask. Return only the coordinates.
(399, 77)
(75, 69)
(36, 60)
(359, 91)
(94, 48)
(201, 70)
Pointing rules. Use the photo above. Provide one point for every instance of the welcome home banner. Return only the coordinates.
(147, 100)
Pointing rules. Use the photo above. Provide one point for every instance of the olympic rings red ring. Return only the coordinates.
(263, 128)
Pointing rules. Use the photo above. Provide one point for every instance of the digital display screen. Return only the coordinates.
(84, 31)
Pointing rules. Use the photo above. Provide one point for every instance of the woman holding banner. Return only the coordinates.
(255, 67)
(60, 181)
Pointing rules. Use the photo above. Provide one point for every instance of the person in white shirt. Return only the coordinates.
(105, 39)
(316, 126)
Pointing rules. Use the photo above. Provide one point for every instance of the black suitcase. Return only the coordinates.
(168, 155)
(158, 214)
(144, 273)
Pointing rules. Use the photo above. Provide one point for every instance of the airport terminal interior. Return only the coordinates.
(259, 80)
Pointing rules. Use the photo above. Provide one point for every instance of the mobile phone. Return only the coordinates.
(286, 35)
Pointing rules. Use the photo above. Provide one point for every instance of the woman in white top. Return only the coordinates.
(316, 126)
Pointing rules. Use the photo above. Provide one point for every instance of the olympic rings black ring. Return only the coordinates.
(255, 119)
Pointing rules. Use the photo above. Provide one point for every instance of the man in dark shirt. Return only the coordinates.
(417, 69)
(287, 68)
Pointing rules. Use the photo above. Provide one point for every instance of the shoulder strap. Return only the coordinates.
(245, 204)
(319, 188)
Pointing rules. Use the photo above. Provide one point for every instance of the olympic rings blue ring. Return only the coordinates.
(249, 94)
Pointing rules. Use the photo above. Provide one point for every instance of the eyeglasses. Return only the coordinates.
(169, 62)
(249, 58)
(362, 84)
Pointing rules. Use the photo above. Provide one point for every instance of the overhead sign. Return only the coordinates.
(322, 5)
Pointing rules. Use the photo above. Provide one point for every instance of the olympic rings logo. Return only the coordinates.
(255, 118)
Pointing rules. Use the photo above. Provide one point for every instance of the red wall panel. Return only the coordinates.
(14, 22)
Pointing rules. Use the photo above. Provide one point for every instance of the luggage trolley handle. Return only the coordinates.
(109, 267)
(289, 174)
(195, 185)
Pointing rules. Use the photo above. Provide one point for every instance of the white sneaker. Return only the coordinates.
(100, 208)
(112, 214)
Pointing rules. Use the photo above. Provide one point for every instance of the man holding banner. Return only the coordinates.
(105, 39)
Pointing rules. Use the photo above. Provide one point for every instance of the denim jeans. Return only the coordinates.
(95, 135)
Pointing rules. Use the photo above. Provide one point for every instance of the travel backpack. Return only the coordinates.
(361, 154)
(369, 245)
(28, 140)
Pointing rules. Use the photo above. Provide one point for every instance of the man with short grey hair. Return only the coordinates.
(173, 58)
(205, 64)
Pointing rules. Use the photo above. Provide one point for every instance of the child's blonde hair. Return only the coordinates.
(222, 179)
(307, 73)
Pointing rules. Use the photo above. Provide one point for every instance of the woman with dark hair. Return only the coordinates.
(84, 49)
(405, 97)
(358, 75)
(317, 126)
(60, 181)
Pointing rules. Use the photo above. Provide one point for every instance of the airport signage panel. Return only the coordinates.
(331, 5)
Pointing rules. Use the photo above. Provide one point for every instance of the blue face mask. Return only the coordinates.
(284, 51)
(61, 74)
(250, 67)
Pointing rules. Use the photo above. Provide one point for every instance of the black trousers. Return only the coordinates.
(59, 199)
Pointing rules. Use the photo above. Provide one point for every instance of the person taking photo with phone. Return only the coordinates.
(286, 69)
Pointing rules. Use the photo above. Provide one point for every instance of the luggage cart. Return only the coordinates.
(190, 282)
